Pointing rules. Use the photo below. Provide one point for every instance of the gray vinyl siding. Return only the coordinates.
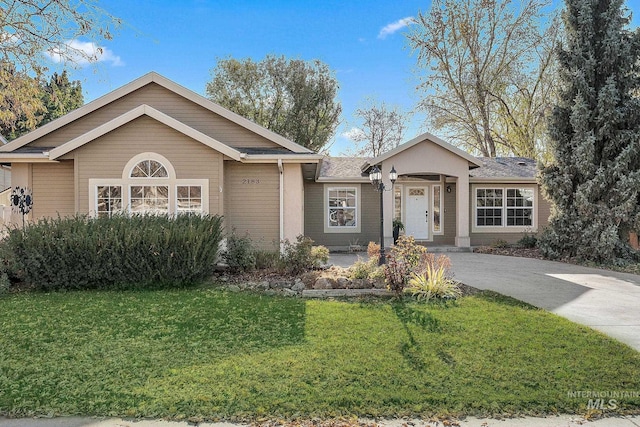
(314, 217)
(53, 189)
(252, 202)
(106, 157)
(544, 211)
(167, 102)
(449, 206)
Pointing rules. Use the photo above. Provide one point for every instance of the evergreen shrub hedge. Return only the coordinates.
(142, 252)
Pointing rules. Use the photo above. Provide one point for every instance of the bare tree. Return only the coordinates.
(486, 73)
(381, 128)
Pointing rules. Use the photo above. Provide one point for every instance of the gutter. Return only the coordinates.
(280, 169)
(514, 180)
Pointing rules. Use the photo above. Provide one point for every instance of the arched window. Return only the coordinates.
(149, 185)
(149, 169)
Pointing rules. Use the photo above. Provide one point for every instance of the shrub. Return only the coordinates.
(373, 250)
(499, 244)
(433, 282)
(5, 284)
(140, 251)
(403, 259)
(368, 269)
(298, 257)
(267, 260)
(528, 241)
(239, 255)
(319, 256)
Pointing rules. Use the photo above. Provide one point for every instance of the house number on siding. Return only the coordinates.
(250, 181)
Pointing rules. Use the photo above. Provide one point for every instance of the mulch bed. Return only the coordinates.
(510, 251)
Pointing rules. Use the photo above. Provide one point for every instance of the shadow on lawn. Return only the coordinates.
(412, 351)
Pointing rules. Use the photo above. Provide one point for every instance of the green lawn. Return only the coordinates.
(212, 354)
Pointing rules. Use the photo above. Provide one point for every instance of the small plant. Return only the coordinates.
(297, 257)
(373, 251)
(398, 224)
(267, 260)
(432, 283)
(403, 259)
(499, 244)
(239, 255)
(368, 269)
(395, 274)
(528, 241)
(319, 256)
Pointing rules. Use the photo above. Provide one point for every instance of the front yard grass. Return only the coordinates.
(211, 354)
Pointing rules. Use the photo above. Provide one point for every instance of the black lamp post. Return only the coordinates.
(375, 176)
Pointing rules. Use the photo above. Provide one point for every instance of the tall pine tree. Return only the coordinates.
(594, 180)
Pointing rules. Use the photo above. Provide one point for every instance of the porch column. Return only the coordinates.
(388, 206)
(462, 215)
(293, 203)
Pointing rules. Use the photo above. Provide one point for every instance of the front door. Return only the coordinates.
(417, 213)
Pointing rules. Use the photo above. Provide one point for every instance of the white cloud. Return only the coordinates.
(353, 134)
(395, 26)
(83, 53)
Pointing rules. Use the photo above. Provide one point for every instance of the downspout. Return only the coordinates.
(280, 168)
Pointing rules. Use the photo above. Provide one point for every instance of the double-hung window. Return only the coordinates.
(504, 207)
(343, 209)
(519, 207)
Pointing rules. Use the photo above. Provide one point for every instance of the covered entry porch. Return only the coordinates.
(431, 194)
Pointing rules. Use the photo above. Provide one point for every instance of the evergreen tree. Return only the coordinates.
(594, 180)
(50, 99)
(60, 96)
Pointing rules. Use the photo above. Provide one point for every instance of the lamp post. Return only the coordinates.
(375, 176)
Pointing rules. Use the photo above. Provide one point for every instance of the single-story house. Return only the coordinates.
(155, 146)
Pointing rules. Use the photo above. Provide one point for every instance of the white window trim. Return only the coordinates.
(325, 209)
(504, 228)
(94, 207)
(126, 182)
(433, 198)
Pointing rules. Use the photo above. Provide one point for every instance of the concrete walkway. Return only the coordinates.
(603, 300)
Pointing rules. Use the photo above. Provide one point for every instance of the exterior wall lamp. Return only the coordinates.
(375, 176)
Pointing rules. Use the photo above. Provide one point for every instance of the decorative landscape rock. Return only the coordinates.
(343, 283)
(325, 283)
(273, 284)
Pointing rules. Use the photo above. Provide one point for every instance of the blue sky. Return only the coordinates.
(362, 41)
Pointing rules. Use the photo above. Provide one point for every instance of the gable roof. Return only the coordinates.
(152, 77)
(473, 162)
(134, 114)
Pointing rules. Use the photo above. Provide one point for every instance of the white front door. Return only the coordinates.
(417, 213)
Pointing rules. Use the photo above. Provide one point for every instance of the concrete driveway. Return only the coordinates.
(603, 300)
